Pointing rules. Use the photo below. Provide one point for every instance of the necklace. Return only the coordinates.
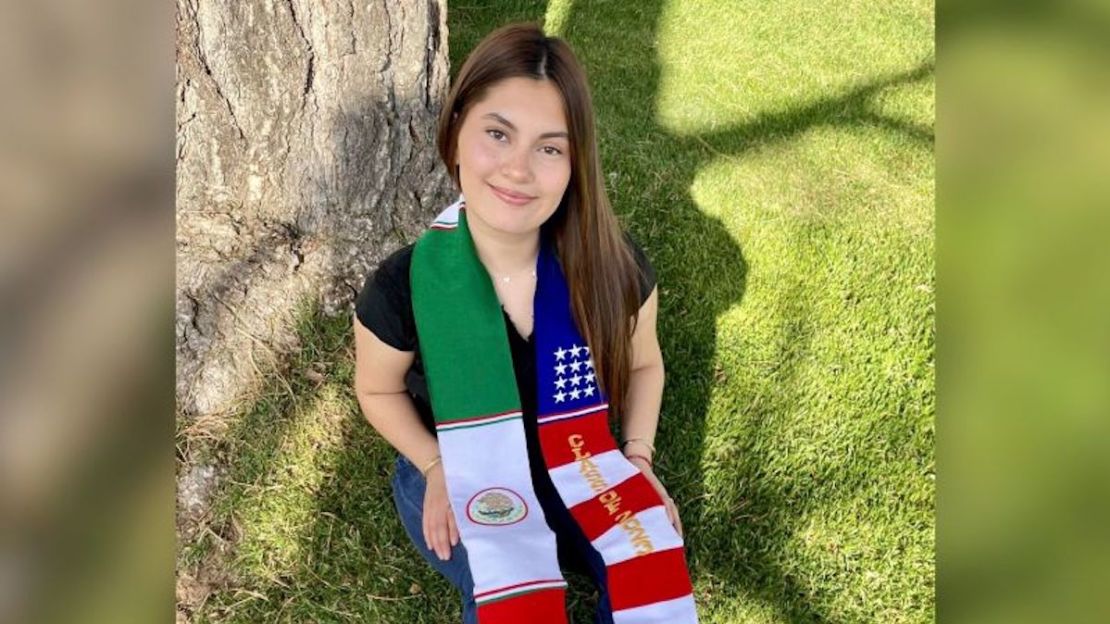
(508, 278)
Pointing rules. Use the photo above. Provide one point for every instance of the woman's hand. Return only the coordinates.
(668, 502)
(440, 531)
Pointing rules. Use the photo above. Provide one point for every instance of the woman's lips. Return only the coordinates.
(510, 197)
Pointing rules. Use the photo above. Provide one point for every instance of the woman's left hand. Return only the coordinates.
(668, 502)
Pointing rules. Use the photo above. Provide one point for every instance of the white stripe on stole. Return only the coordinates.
(543, 420)
(665, 612)
(478, 422)
(646, 532)
(448, 218)
(521, 589)
(575, 487)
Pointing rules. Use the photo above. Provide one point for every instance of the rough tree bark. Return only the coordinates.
(305, 153)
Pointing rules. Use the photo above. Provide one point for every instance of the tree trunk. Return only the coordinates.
(305, 153)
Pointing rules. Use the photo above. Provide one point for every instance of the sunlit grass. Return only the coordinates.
(726, 62)
(279, 511)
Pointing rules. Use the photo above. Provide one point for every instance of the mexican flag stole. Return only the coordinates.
(511, 550)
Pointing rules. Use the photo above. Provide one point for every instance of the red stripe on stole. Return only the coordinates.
(587, 435)
(648, 579)
(546, 606)
(601, 513)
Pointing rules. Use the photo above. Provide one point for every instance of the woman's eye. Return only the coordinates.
(496, 134)
(552, 151)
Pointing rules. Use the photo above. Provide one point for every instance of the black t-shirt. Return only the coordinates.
(384, 306)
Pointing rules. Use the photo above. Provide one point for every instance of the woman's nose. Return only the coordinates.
(517, 166)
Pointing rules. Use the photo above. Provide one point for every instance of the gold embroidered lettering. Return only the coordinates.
(610, 499)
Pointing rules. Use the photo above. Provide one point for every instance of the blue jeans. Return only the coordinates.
(575, 551)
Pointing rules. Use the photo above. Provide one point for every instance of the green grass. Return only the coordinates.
(776, 162)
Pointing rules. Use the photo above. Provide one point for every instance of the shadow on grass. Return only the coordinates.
(358, 565)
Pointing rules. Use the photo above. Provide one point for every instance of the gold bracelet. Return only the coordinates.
(430, 465)
(640, 440)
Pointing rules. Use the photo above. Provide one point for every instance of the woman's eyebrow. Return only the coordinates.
(545, 135)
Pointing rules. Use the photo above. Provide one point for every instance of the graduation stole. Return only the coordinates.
(512, 551)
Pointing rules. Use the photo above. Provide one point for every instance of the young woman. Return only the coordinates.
(506, 468)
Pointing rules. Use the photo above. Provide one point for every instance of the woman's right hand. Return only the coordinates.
(440, 531)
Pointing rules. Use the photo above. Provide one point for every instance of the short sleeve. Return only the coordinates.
(647, 271)
(384, 305)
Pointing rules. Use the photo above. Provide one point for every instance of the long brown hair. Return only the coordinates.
(601, 272)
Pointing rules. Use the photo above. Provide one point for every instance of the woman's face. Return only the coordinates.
(514, 155)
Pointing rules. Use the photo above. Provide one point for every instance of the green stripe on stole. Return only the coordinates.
(461, 328)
